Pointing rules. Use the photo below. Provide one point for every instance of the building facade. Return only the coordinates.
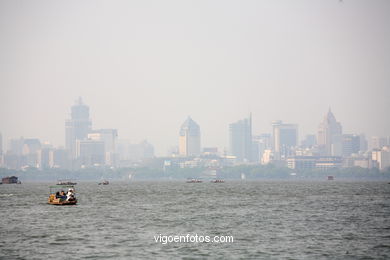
(77, 127)
(189, 138)
(285, 137)
(330, 136)
(240, 140)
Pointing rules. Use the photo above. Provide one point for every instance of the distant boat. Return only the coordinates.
(104, 183)
(194, 181)
(217, 181)
(243, 177)
(330, 178)
(66, 182)
(10, 180)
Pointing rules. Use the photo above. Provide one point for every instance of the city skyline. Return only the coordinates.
(142, 67)
(87, 123)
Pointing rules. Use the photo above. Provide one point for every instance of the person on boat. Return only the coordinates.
(70, 195)
(58, 195)
(63, 195)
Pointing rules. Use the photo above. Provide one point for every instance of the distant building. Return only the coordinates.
(129, 154)
(363, 143)
(59, 158)
(31, 148)
(378, 142)
(90, 153)
(301, 162)
(13, 161)
(210, 151)
(268, 156)
(330, 136)
(382, 157)
(240, 140)
(189, 138)
(44, 158)
(261, 142)
(309, 141)
(23, 152)
(77, 127)
(351, 144)
(318, 162)
(16, 146)
(109, 137)
(285, 137)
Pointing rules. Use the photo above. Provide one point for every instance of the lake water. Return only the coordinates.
(268, 220)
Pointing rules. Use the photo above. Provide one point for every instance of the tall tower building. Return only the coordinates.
(77, 127)
(189, 138)
(330, 135)
(240, 140)
(285, 137)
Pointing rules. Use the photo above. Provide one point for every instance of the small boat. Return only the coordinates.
(66, 182)
(217, 181)
(330, 178)
(10, 180)
(55, 198)
(104, 183)
(194, 181)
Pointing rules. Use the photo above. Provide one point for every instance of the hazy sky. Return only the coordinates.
(144, 66)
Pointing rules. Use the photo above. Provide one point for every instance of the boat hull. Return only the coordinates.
(60, 202)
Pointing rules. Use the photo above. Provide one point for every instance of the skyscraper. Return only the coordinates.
(109, 137)
(351, 144)
(77, 127)
(189, 138)
(330, 135)
(285, 137)
(240, 140)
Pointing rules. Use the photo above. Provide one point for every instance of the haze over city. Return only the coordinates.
(143, 67)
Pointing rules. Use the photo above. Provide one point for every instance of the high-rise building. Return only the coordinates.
(285, 137)
(381, 157)
(77, 127)
(109, 137)
(363, 143)
(351, 144)
(378, 142)
(330, 136)
(240, 140)
(261, 142)
(44, 157)
(90, 153)
(59, 158)
(189, 138)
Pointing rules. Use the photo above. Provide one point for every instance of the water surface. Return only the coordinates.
(268, 220)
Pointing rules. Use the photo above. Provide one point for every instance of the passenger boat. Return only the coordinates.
(217, 181)
(194, 181)
(104, 183)
(66, 182)
(55, 199)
